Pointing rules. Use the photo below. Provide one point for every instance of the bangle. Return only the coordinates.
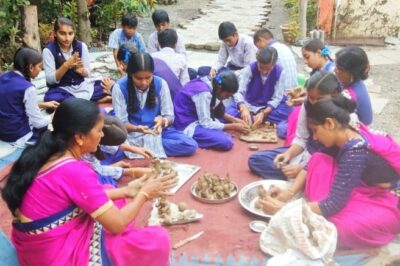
(145, 194)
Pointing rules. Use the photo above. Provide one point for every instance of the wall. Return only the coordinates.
(368, 18)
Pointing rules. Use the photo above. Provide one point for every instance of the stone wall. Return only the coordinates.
(368, 18)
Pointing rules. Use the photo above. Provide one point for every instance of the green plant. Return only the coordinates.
(93, 33)
(45, 33)
(47, 10)
(7, 67)
(9, 18)
(109, 12)
(139, 7)
(312, 9)
(70, 10)
(293, 6)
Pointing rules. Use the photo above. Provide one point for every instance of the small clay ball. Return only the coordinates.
(182, 206)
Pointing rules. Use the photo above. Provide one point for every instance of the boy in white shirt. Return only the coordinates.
(177, 62)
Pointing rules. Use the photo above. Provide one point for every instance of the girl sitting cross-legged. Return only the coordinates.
(348, 187)
(199, 104)
(142, 101)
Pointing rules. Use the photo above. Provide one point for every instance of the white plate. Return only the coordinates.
(248, 195)
(213, 201)
(155, 220)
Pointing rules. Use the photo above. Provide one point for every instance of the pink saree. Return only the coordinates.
(292, 125)
(61, 203)
(369, 219)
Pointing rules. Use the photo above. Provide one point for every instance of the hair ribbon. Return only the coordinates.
(218, 78)
(325, 51)
(127, 55)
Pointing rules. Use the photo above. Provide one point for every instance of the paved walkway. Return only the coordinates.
(202, 32)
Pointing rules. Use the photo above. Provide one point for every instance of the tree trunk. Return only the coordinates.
(303, 18)
(83, 22)
(30, 27)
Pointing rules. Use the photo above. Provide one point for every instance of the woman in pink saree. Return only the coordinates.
(63, 216)
(349, 187)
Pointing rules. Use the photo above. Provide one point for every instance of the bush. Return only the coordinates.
(107, 13)
(293, 6)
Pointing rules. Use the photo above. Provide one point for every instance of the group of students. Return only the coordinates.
(164, 109)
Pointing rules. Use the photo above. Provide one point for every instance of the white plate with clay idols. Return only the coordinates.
(248, 195)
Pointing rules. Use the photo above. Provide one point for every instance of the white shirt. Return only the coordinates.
(153, 45)
(288, 63)
(83, 90)
(36, 118)
(241, 55)
(175, 61)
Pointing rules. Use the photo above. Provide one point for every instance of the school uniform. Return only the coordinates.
(108, 174)
(193, 116)
(118, 38)
(296, 132)
(177, 63)
(358, 92)
(20, 117)
(258, 92)
(71, 84)
(171, 142)
(288, 63)
(241, 55)
(162, 70)
(154, 46)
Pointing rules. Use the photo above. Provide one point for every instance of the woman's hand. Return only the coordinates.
(271, 205)
(281, 160)
(133, 187)
(137, 172)
(157, 187)
(121, 164)
(291, 170)
(283, 195)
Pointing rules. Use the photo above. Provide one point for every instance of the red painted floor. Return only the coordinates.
(225, 225)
